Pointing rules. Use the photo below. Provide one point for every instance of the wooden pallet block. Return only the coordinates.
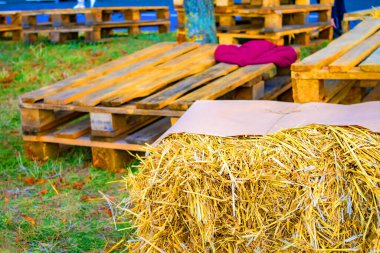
(341, 60)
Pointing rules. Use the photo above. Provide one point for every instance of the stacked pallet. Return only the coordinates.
(356, 16)
(94, 23)
(62, 25)
(132, 20)
(347, 71)
(281, 22)
(10, 24)
(131, 101)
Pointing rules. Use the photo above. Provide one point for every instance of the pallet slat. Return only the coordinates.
(374, 95)
(338, 47)
(356, 55)
(165, 97)
(372, 63)
(96, 72)
(140, 67)
(149, 134)
(160, 75)
(223, 85)
(74, 130)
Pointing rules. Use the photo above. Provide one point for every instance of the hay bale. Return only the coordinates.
(308, 189)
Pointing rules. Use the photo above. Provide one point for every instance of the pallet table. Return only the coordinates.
(10, 23)
(352, 61)
(131, 101)
(355, 16)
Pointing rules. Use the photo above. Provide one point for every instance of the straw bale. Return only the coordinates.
(315, 188)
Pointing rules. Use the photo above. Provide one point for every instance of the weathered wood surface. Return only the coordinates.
(372, 63)
(82, 78)
(74, 130)
(374, 95)
(149, 134)
(222, 86)
(167, 96)
(338, 47)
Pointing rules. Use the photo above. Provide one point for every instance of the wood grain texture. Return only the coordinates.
(149, 134)
(338, 47)
(372, 63)
(222, 86)
(356, 54)
(139, 68)
(161, 99)
(82, 78)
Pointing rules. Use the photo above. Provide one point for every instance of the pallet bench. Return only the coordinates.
(355, 16)
(344, 71)
(124, 104)
(10, 23)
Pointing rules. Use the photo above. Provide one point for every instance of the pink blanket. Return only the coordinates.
(256, 52)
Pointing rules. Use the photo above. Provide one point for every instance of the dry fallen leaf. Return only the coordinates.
(28, 219)
(43, 192)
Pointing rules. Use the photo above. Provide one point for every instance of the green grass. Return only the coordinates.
(63, 211)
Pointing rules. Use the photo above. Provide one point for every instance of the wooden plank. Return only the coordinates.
(75, 130)
(333, 87)
(222, 86)
(129, 23)
(356, 55)
(372, 63)
(128, 109)
(84, 141)
(324, 73)
(163, 74)
(96, 72)
(284, 9)
(276, 86)
(338, 47)
(142, 66)
(374, 95)
(290, 29)
(147, 89)
(165, 97)
(342, 94)
(149, 134)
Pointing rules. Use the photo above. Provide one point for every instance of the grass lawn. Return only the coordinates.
(56, 206)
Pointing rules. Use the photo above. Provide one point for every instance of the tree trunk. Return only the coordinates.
(200, 21)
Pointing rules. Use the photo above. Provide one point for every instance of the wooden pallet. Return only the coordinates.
(292, 34)
(128, 102)
(352, 61)
(132, 20)
(230, 4)
(355, 16)
(11, 27)
(64, 24)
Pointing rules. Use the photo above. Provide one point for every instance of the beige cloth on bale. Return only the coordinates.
(236, 118)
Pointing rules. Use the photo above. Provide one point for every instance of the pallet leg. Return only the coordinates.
(326, 34)
(2, 35)
(305, 91)
(273, 21)
(345, 26)
(163, 14)
(163, 28)
(30, 38)
(16, 36)
(133, 30)
(302, 39)
(55, 37)
(110, 159)
(132, 15)
(106, 32)
(226, 21)
(251, 91)
(41, 151)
